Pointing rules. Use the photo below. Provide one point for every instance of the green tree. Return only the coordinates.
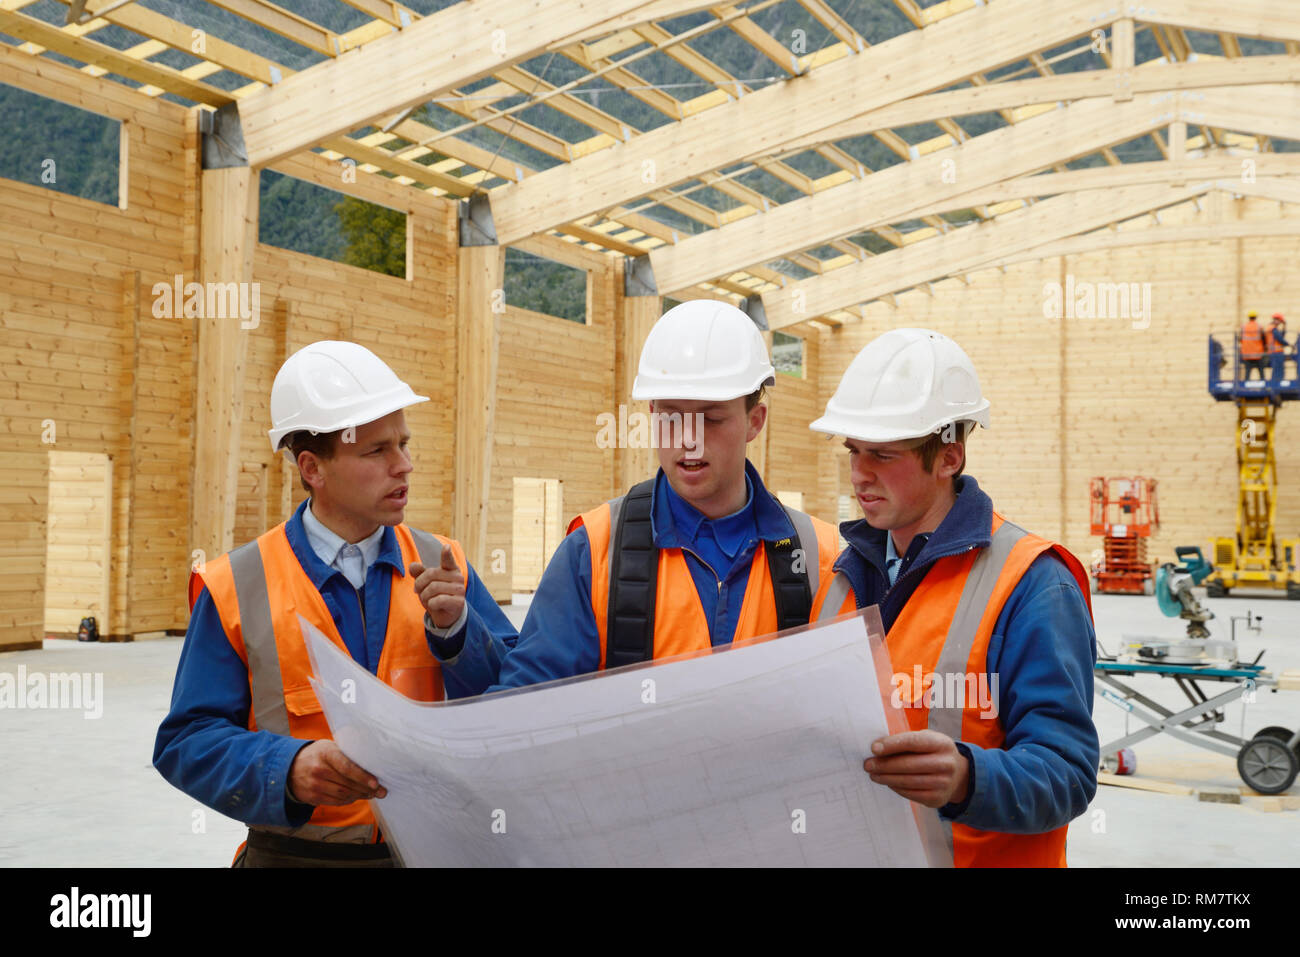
(376, 236)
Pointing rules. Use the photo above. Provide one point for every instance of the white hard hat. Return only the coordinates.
(905, 384)
(703, 350)
(330, 385)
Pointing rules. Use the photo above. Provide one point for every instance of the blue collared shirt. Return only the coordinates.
(894, 564)
(559, 638)
(892, 559)
(711, 544)
(352, 559)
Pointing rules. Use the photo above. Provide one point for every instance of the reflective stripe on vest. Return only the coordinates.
(807, 534)
(680, 624)
(838, 594)
(239, 586)
(975, 596)
(265, 683)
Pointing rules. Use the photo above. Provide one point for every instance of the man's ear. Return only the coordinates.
(757, 419)
(309, 466)
(951, 459)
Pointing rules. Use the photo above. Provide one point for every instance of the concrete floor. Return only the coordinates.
(83, 792)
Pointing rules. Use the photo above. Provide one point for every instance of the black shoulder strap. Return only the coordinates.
(790, 587)
(633, 578)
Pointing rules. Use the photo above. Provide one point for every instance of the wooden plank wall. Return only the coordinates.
(794, 453)
(23, 509)
(78, 546)
(554, 378)
(87, 365)
(1074, 398)
(538, 525)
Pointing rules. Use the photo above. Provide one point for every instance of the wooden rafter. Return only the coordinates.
(756, 124)
(1106, 239)
(964, 249)
(1046, 92)
(893, 194)
(411, 66)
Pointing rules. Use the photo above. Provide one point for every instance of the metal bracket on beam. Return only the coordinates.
(639, 277)
(223, 138)
(753, 307)
(476, 225)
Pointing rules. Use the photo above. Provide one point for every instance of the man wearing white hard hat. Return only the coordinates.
(698, 556)
(989, 628)
(246, 735)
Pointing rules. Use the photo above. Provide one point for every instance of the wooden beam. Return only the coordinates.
(963, 249)
(1110, 177)
(480, 285)
(1282, 190)
(114, 61)
(889, 195)
(394, 163)
(759, 123)
(1046, 92)
(181, 36)
(636, 316)
(373, 188)
(1106, 239)
(124, 474)
(227, 237)
(288, 25)
(1121, 65)
(1241, 110)
(457, 45)
(1266, 19)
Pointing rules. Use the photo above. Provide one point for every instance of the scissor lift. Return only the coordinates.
(1255, 556)
(1124, 513)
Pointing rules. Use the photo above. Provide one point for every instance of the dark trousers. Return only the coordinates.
(1253, 365)
(274, 850)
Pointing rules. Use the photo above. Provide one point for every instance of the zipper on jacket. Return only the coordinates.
(365, 635)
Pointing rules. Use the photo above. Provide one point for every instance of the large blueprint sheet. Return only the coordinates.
(747, 756)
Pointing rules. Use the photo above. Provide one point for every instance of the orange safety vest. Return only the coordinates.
(1274, 347)
(259, 591)
(679, 625)
(1252, 340)
(945, 630)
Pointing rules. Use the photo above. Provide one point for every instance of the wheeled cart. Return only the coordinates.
(1267, 762)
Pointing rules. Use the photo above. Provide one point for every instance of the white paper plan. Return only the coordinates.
(748, 756)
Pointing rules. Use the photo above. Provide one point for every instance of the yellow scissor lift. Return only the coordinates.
(1255, 556)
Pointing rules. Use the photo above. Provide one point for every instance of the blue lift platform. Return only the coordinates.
(1255, 556)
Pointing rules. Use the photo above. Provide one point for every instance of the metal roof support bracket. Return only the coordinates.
(476, 225)
(223, 138)
(639, 277)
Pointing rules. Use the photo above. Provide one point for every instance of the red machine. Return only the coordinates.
(1124, 512)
